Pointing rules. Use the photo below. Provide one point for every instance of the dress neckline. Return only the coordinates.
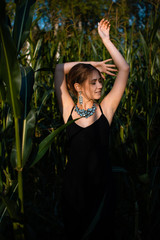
(102, 114)
(92, 124)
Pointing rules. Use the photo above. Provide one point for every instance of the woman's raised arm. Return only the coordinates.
(112, 100)
(65, 101)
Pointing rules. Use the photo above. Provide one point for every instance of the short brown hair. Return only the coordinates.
(79, 74)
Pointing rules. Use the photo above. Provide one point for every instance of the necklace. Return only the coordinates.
(86, 113)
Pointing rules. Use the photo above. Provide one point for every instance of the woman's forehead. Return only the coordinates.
(94, 74)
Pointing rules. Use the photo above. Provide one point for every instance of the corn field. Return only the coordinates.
(32, 133)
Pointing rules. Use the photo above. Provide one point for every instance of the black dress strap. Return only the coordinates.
(72, 110)
(100, 108)
(70, 116)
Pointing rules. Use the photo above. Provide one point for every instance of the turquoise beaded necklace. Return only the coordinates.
(86, 113)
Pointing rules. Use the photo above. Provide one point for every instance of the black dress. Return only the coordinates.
(87, 199)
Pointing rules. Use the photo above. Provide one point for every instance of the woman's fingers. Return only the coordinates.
(108, 60)
(110, 65)
(101, 22)
(112, 69)
(109, 73)
(102, 76)
(104, 23)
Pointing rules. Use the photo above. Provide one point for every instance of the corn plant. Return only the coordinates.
(13, 77)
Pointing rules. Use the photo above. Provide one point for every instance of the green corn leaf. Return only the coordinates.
(23, 21)
(128, 57)
(37, 65)
(38, 47)
(45, 144)
(93, 47)
(9, 205)
(145, 47)
(37, 57)
(153, 65)
(1, 179)
(9, 119)
(134, 105)
(2, 91)
(27, 74)
(80, 43)
(153, 112)
(10, 70)
(154, 30)
(158, 35)
(13, 156)
(44, 99)
(27, 139)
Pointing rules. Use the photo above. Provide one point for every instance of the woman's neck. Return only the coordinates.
(85, 105)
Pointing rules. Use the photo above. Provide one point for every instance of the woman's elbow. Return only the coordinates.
(124, 68)
(127, 68)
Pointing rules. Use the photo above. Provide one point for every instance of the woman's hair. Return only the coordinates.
(79, 74)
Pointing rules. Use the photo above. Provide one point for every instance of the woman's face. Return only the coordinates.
(92, 87)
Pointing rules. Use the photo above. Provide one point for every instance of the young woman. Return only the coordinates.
(88, 186)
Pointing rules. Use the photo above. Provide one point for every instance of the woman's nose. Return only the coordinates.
(99, 84)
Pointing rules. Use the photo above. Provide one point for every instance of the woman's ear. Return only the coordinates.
(77, 87)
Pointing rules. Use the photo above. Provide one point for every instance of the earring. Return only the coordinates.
(80, 98)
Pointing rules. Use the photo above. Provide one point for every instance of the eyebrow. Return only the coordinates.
(95, 79)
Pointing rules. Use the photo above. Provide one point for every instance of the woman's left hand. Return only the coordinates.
(106, 68)
(103, 29)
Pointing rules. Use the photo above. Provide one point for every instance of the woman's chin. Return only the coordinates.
(98, 96)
